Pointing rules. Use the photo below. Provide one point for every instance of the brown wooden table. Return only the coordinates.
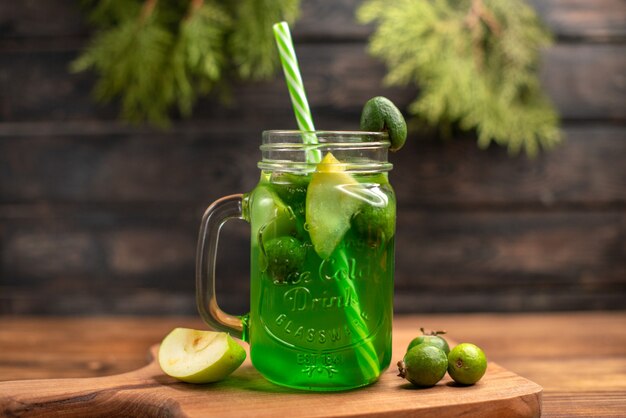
(578, 358)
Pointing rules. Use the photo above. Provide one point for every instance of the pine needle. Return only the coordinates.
(159, 56)
(130, 59)
(475, 62)
(197, 59)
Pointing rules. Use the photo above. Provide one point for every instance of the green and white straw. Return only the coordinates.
(366, 353)
(296, 89)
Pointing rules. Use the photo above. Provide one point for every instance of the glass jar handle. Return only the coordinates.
(216, 215)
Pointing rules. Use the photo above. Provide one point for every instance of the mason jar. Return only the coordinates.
(322, 220)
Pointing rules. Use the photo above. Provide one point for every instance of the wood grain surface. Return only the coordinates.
(340, 77)
(100, 217)
(579, 379)
(148, 392)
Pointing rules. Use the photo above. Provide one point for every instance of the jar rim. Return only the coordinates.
(359, 151)
(295, 137)
(326, 132)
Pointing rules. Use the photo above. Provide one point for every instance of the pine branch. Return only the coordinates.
(197, 59)
(157, 56)
(476, 63)
(129, 59)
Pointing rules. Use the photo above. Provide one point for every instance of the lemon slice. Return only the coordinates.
(330, 204)
(199, 356)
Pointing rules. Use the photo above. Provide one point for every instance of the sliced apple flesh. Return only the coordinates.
(270, 216)
(331, 201)
(196, 356)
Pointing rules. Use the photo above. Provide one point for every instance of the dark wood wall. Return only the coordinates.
(100, 217)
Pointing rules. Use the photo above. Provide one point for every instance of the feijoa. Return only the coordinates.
(423, 365)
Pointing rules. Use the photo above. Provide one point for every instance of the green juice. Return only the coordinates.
(321, 323)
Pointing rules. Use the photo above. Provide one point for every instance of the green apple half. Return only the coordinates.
(196, 356)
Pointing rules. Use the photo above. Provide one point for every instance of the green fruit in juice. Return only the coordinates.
(291, 189)
(328, 325)
(276, 218)
(335, 199)
(375, 223)
(329, 205)
(284, 257)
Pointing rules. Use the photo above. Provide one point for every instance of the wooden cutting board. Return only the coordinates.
(148, 392)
